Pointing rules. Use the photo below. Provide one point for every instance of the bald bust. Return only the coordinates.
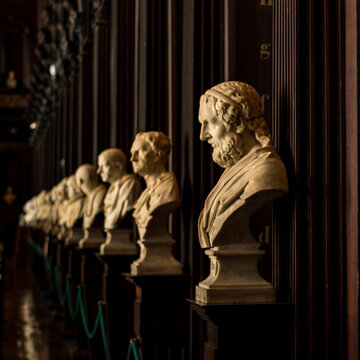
(73, 212)
(233, 123)
(74, 209)
(87, 180)
(124, 188)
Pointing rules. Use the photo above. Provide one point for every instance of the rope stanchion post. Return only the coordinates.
(66, 298)
(134, 350)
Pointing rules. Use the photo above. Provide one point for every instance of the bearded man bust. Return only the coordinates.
(149, 157)
(232, 121)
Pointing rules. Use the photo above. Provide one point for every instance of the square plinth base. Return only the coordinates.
(240, 295)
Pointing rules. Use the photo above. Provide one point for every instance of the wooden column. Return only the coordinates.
(315, 124)
(122, 79)
(86, 129)
(101, 81)
(351, 303)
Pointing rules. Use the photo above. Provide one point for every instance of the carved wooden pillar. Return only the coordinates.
(315, 112)
(75, 122)
(85, 129)
(151, 108)
(70, 121)
(101, 84)
(122, 74)
(64, 133)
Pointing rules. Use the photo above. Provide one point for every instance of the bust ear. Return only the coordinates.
(240, 126)
(157, 155)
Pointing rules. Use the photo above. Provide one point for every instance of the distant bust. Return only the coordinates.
(57, 196)
(87, 180)
(11, 81)
(124, 188)
(232, 121)
(9, 196)
(149, 156)
(74, 209)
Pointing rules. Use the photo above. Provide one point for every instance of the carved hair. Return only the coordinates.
(158, 141)
(238, 104)
(114, 155)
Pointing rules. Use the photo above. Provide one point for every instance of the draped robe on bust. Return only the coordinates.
(93, 207)
(164, 191)
(259, 170)
(120, 199)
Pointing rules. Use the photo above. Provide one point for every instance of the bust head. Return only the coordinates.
(111, 165)
(150, 152)
(73, 189)
(11, 75)
(232, 121)
(86, 178)
(61, 190)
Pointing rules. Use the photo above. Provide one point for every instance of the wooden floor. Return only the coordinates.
(28, 328)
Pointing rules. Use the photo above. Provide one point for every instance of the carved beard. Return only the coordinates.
(227, 152)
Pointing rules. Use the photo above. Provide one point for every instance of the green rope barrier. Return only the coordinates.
(68, 300)
(89, 334)
(103, 333)
(48, 265)
(133, 349)
(38, 250)
(61, 299)
(79, 306)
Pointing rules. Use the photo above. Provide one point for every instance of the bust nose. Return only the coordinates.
(133, 157)
(204, 134)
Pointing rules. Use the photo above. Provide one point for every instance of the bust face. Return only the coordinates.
(143, 157)
(213, 129)
(82, 180)
(73, 189)
(225, 143)
(107, 169)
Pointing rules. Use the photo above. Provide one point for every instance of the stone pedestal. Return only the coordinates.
(118, 242)
(93, 238)
(161, 318)
(75, 234)
(119, 297)
(234, 277)
(156, 258)
(246, 331)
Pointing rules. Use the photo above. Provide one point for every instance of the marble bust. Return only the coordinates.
(119, 201)
(233, 123)
(124, 188)
(74, 211)
(63, 202)
(88, 182)
(44, 211)
(11, 81)
(149, 156)
(58, 196)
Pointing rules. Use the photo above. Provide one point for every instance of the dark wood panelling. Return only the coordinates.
(351, 193)
(310, 121)
(86, 117)
(147, 71)
(101, 81)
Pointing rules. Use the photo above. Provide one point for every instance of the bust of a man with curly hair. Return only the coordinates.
(233, 123)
